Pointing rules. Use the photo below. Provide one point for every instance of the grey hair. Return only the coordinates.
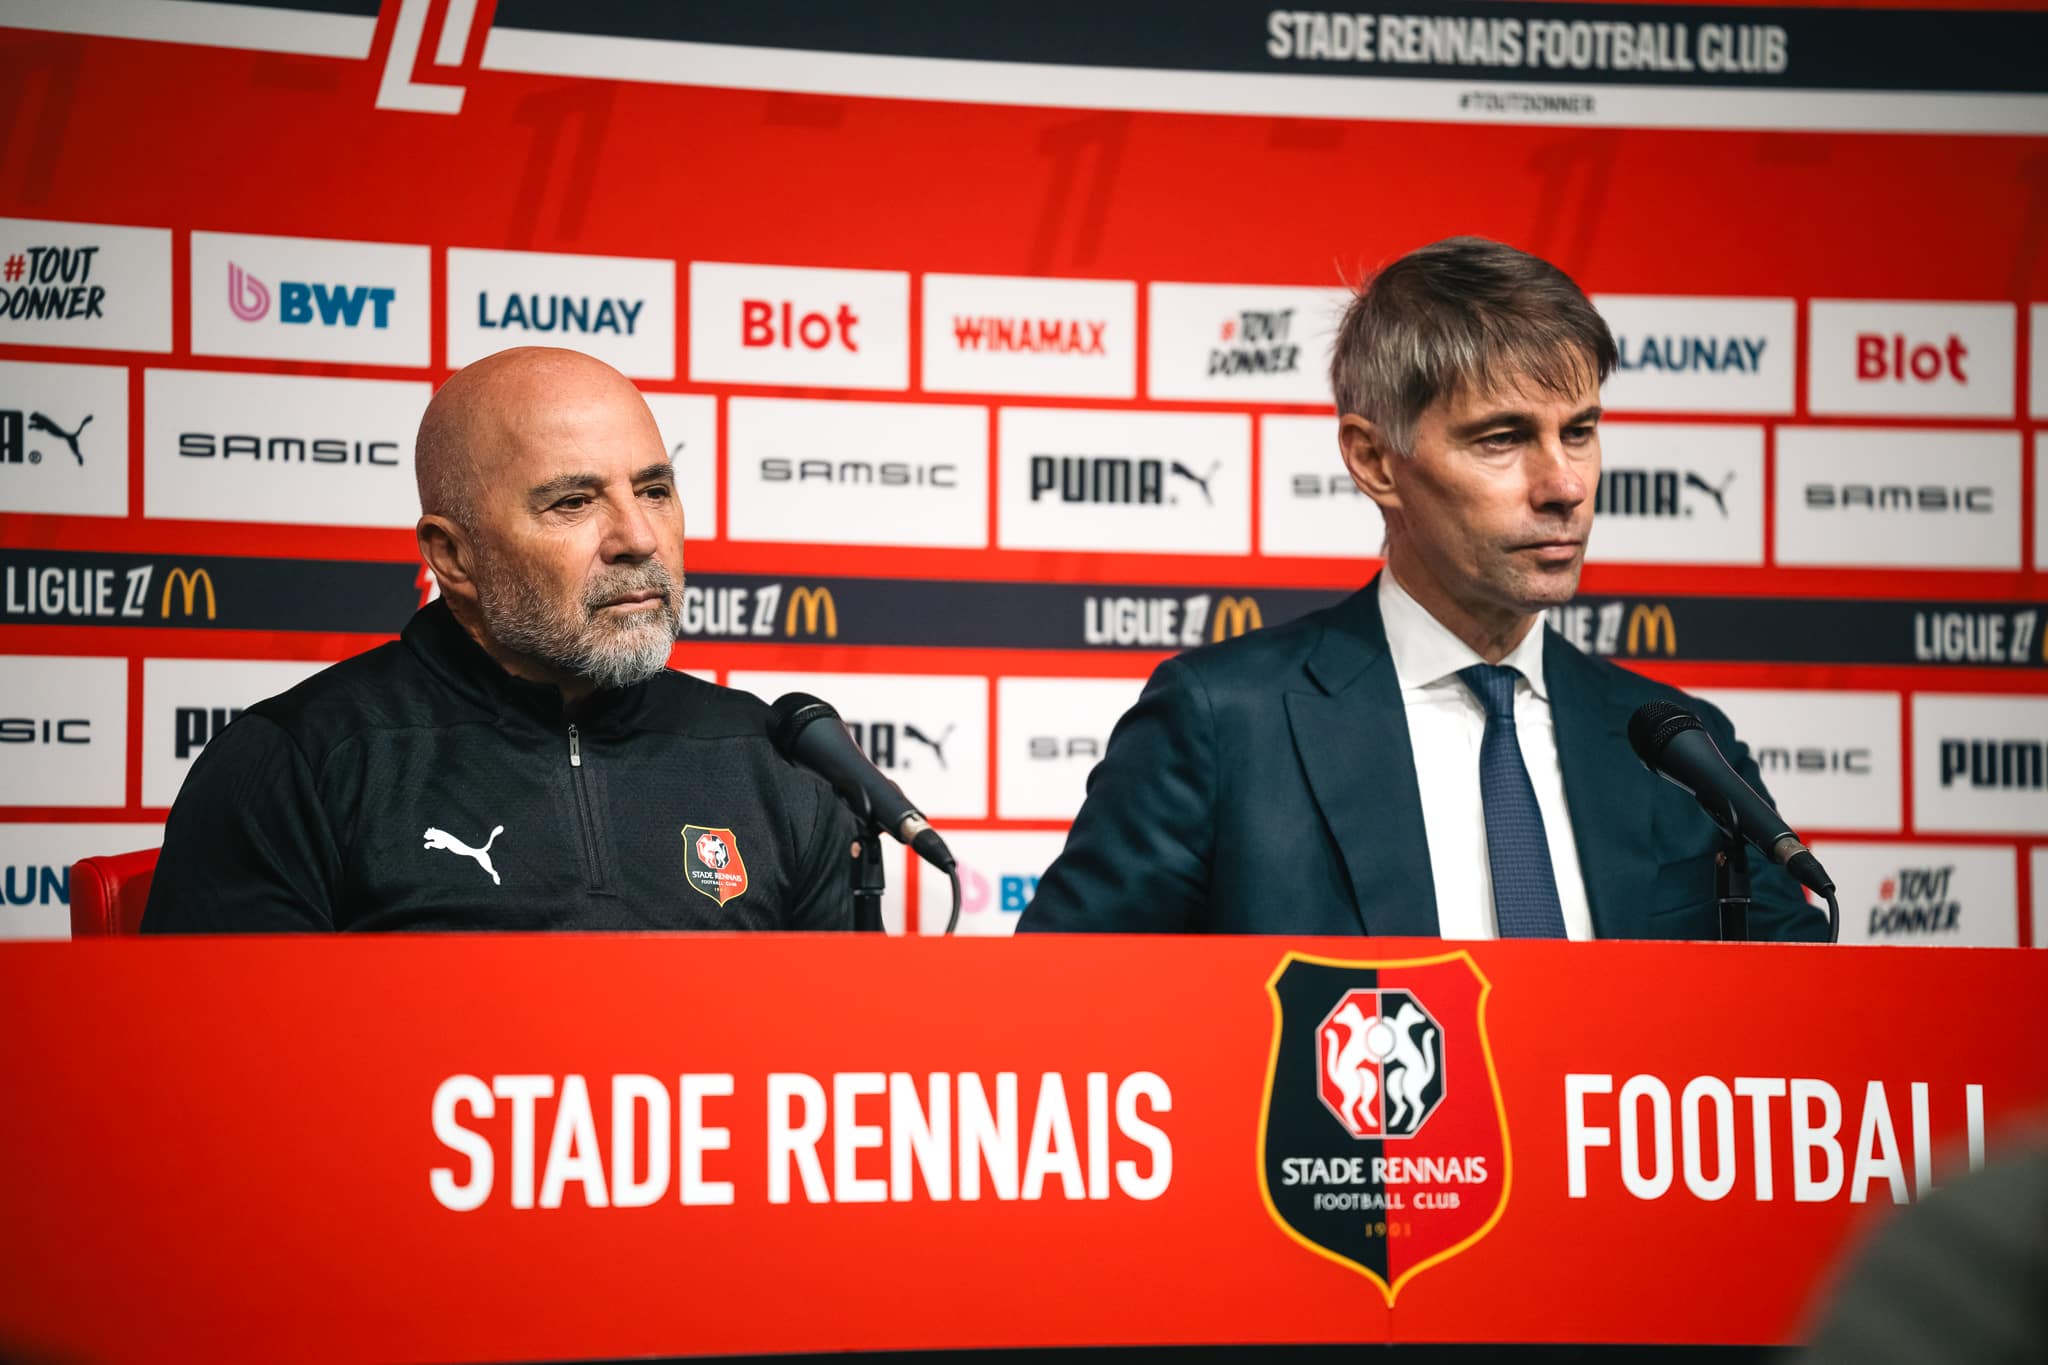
(1460, 316)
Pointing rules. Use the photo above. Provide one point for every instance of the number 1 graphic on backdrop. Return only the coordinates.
(2033, 233)
(1576, 171)
(589, 103)
(1068, 144)
(55, 61)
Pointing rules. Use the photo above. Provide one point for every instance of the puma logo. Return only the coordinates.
(1200, 481)
(38, 422)
(441, 838)
(937, 746)
(1719, 495)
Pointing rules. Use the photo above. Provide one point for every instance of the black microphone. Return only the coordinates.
(827, 749)
(1672, 743)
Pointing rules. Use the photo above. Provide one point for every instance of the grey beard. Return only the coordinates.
(576, 641)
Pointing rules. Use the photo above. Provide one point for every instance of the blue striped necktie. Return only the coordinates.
(1525, 901)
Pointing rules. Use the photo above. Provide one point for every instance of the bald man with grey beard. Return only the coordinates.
(522, 757)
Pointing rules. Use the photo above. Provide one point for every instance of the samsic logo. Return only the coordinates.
(45, 730)
(1851, 497)
(1853, 762)
(883, 474)
(300, 303)
(1994, 764)
(1118, 479)
(327, 450)
(191, 585)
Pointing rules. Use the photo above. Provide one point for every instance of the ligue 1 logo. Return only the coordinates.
(1384, 1143)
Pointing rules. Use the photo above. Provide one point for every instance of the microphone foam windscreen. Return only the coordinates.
(793, 712)
(1653, 726)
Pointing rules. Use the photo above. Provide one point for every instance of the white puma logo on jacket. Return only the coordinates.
(441, 838)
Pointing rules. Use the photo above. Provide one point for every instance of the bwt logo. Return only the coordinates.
(1007, 893)
(192, 726)
(766, 324)
(1893, 359)
(300, 303)
(1994, 764)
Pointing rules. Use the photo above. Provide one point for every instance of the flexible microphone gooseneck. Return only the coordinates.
(1672, 743)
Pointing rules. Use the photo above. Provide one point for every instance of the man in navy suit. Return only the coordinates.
(1426, 757)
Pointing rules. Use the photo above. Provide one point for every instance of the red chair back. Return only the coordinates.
(108, 893)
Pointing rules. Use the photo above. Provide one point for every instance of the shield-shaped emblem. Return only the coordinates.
(1384, 1143)
(712, 863)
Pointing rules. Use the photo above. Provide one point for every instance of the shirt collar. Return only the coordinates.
(1426, 652)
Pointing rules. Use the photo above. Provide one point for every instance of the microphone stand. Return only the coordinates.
(868, 880)
(1731, 875)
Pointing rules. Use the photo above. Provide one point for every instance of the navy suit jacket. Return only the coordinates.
(1266, 785)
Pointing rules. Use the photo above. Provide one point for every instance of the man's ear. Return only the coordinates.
(1373, 463)
(447, 550)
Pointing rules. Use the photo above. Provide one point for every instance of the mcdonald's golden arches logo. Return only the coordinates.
(815, 604)
(191, 582)
(1652, 624)
(1235, 616)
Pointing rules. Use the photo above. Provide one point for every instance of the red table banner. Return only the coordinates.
(561, 1147)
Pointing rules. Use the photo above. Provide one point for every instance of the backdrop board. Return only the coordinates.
(1059, 290)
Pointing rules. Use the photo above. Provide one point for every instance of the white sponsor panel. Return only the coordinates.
(64, 439)
(310, 298)
(1308, 506)
(63, 731)
(1690, 353)
(1050, 732)
(84, 284)
(1922, 895)
(689, 428)
(999, 872)
(2037, 389)
(1241, 343)
(295, 450)
(785, 324)
(838, 473)
(928, 733)
(2039, 879)
(1980, 764)
(1910, 359)
(620, 309)
(1832, 760)
(1882, 499)
(1679, 494)
(35, 870)
(1074, 479)
(186, 702)
(1017, 334)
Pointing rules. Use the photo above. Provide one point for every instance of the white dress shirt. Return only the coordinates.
(1445, 726)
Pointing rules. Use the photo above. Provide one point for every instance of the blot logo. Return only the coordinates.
(712, 864)
(1368, 1155)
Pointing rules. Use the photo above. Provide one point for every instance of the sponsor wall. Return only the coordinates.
(981, 409)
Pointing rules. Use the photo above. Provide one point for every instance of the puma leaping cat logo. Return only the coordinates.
(441, 838)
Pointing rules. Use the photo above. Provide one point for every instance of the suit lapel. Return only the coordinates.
(1610, 817)
(1352, 739)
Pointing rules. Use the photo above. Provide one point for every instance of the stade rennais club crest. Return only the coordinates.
(1383, 1145)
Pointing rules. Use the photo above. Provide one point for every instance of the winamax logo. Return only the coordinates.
(1139, 481)
(1008, 334)
(298, 298)
(846, 473)
(619, 309)
(775, 324)
(64, 439)
(84, 284)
